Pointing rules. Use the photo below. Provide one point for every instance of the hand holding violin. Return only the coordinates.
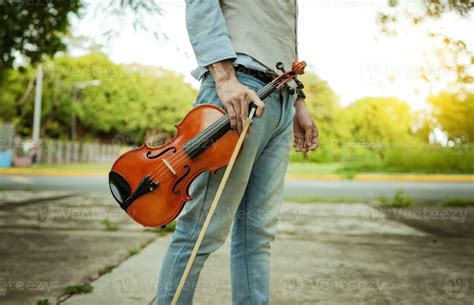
(235, 97)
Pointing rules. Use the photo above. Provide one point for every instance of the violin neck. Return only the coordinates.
(267, 90)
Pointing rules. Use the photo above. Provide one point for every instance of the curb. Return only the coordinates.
(414, 178)
(53, 172)
(332, 177)
(324, 177)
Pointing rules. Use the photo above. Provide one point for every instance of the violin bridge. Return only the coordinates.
(168, 165)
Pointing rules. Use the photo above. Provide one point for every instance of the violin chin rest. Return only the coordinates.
(120, 188)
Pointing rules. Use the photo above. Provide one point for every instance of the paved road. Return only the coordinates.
(363, 190)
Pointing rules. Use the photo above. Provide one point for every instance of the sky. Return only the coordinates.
(339, 39)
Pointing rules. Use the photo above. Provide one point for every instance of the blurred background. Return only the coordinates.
(390, 83)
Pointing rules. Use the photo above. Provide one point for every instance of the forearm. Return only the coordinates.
(208, 32)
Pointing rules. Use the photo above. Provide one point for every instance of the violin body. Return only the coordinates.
(170, 169)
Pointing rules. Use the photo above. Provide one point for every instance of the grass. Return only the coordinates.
(104, 166)
(109, 225)
(312, 199)
(43, 302)
(457, 202)
(106, 269)
(170, 228)
(314, 168)
(78, 289)
(134, 251)
(399, 200)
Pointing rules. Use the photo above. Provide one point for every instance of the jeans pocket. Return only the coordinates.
(208, 94)
(243, 78)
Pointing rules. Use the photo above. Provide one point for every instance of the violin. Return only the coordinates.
(152, 183)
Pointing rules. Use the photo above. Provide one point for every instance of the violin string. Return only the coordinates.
(176, 158)
(180, 154)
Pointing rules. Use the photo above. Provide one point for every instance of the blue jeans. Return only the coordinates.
(251, 201)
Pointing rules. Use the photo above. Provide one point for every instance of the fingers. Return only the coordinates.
(244, 109)
(298, 144)
(236, 99)
(314, 139)
(257, 102)
(308, 139)
(238, 115)
(231, 112)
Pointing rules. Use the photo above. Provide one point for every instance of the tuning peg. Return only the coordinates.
(280, 66)
(299, 84)
(290, 90)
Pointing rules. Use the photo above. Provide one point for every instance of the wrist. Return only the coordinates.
(222, 71)
(300, 102)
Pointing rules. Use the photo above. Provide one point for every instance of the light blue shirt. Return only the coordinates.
(210, 39)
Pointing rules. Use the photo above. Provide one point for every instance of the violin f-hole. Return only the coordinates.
(178, 181)
(149, 156)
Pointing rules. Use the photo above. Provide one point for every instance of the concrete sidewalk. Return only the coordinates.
(329, 254)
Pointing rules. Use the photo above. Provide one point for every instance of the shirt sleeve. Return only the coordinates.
(208, 32)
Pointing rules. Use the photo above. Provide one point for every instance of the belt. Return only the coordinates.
(264, 76)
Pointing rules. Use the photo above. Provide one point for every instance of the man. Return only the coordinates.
(234, 41)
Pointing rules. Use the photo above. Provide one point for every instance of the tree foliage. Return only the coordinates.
(452, 53)
(379, 119)
(420, 11)
(323, 103)
(133, 98)
(453, 114)
(33, 28)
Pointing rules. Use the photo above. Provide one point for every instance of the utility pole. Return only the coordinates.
(37, 113)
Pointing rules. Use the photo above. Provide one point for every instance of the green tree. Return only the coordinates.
(453, 114)
(33, 28)
(131, 99)
(379, 119)
(452, 54)
(323, 103)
